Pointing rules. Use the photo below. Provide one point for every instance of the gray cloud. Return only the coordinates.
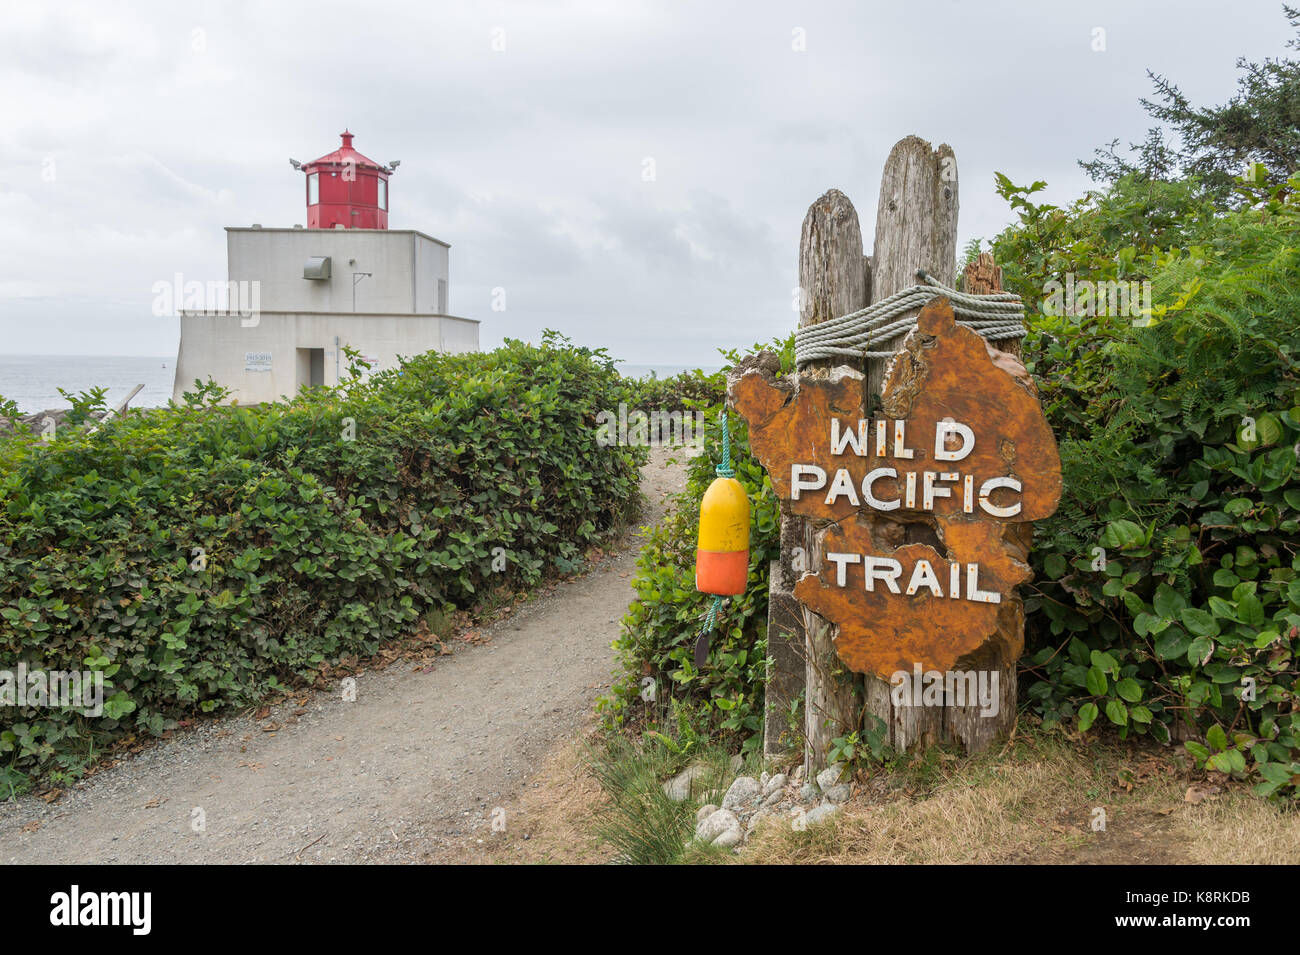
(167, 121)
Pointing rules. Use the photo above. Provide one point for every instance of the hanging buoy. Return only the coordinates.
(722, 554)
(722, 558)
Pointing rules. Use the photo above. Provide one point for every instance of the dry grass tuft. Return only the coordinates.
(1036, 803)
(1240, 828)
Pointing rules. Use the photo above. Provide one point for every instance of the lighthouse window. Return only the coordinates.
(383, 195)
(313, 189)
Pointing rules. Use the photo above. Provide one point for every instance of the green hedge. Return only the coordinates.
(202, 555)
(1167, 599)
(683, 391)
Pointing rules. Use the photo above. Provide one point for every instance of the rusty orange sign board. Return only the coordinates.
(925, 508)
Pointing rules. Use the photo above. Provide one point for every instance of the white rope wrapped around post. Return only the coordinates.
(997, 316)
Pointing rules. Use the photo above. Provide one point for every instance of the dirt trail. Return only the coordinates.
(415, 763)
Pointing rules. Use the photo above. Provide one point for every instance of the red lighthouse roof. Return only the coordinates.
(344, 154)
(347, 189)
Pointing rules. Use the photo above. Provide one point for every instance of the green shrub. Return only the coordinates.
(724, 699)
(1168, 593)
(682, 392)
(201, 555)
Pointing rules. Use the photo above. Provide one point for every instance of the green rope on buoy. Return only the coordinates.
(724, 469)
(711, 620)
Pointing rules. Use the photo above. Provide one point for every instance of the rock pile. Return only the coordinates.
(749, 801)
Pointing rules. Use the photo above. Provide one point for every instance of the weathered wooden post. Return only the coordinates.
(834, 278)
(916, 228)
(899, 511)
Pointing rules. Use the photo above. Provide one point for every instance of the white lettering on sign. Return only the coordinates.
(797, 482)
(872, 500)
(989, 486)
(842, 486)
(900, 441)
(858, 441)
(257, 361)
(942, 430)
(953, 441)
(922, 575)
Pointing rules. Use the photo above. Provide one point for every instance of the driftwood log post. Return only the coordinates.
(834, 278)
(812, 636)
(916, 228)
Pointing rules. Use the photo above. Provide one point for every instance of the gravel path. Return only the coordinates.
(417, 761)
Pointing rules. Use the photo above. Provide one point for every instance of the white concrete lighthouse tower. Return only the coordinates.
(297, 296)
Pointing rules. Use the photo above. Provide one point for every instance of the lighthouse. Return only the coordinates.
(298, 296)
(345, 188)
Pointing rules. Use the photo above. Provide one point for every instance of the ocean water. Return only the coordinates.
(33, 381)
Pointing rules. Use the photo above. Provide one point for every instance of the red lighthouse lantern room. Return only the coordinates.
(346, 189)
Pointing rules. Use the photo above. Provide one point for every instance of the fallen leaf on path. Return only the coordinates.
(32, 826)
(253, 766)
(154, 803)
(263, 713)
(1196, 794)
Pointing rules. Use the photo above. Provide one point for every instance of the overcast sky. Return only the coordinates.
(132, 133)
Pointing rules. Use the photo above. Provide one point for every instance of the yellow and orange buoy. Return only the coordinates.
(722, 558)
(722, 554)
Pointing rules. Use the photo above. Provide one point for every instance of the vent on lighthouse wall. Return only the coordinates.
(317, 267)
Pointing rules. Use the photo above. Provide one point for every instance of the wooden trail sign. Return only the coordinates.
(960, 448)
(961, 550)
